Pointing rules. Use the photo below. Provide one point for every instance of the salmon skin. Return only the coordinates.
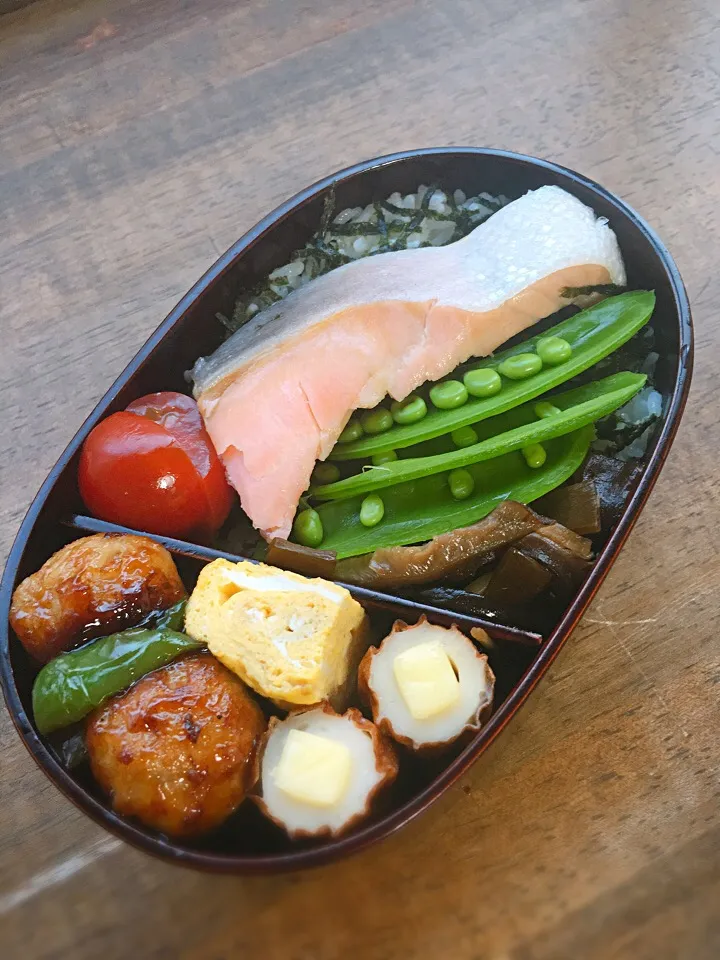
(276, 396)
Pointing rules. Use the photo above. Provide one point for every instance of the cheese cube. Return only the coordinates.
(426, 680)
(294, 640)
(313, 770)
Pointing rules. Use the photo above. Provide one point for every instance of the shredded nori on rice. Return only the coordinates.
(429, 217)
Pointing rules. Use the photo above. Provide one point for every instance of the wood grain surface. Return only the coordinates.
(137, 141)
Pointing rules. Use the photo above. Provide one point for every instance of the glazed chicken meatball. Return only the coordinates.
(93, 586)
(175, 750)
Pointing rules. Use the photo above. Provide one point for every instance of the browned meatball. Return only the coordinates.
(175, 750)
(92, 586)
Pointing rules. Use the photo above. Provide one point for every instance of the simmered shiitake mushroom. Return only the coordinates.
(426, 685)
(319, 771)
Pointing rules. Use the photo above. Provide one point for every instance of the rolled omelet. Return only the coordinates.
(294, 640)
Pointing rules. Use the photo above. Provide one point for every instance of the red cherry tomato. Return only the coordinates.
(153, 467)
(179, 415)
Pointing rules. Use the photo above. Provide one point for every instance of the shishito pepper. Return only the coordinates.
(421, 509)
(73, 684)
(513, 430)
(591, 335)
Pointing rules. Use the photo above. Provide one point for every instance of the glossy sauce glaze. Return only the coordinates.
(176, 749)
(91, 587)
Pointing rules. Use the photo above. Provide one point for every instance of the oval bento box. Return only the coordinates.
(247, 844)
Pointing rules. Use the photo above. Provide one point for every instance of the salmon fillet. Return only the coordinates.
(276, 396)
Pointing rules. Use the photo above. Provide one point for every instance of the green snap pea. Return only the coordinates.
(449, 394)
(515, 429)
(553, 350)
(308, 528)
(483, 383)
(409, 410)
(464, 437)
(593, 334)
(352, 432)
(535, 455)
(425, 508)
(372, 510)
(75, 683)
(521, 366)
(545, 409)
(461, 484)
(387, 456)
(376, 421)
(325, 473)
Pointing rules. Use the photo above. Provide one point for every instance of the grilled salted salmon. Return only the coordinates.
(277, 394)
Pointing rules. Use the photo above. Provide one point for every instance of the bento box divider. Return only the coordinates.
(372, 599)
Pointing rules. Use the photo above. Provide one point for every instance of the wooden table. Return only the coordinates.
(137, 141)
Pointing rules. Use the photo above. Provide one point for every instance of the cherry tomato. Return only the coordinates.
(153, 467)
(179, 415)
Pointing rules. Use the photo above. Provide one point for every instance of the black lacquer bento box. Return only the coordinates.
(246, 843)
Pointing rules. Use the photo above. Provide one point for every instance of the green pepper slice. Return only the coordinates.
(520, 427)
(75, 683)
(421, 509)
(592, 334)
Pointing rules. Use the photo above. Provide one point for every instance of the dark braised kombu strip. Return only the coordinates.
(567, 568)
(517, 579)
(574, 505)
(614, 481)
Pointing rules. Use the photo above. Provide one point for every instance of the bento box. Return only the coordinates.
(508, 602)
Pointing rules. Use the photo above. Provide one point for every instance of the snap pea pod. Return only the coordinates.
(422, 509)
(577, 407)
(70, 686)
(592, 334)
(491, 427)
